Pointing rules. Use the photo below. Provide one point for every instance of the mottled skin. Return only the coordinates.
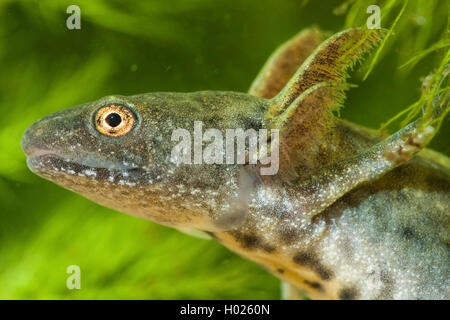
(348, 215)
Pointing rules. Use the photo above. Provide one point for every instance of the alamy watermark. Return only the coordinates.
(218, 152)
(74, 280)
(73, 22)
(374, 20)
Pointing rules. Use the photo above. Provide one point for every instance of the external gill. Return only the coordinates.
(327, 185)
(303, 110)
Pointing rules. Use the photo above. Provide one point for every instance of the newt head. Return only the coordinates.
(117, 151)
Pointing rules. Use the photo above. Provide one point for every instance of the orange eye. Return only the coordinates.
(114, 120)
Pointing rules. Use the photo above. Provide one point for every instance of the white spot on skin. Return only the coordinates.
(90, 173)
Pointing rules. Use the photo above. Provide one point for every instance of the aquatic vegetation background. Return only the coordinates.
(130, 47)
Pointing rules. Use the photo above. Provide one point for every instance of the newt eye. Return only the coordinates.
(114, 120)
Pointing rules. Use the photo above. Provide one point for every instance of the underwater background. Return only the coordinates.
(131, 47)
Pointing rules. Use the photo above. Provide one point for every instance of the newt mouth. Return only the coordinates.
(69, 173)
(46, 164)
(40, 158)
(76, 166)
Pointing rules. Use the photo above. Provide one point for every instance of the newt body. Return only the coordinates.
(347, 216)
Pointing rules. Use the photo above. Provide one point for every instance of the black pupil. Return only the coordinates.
(113, 119)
